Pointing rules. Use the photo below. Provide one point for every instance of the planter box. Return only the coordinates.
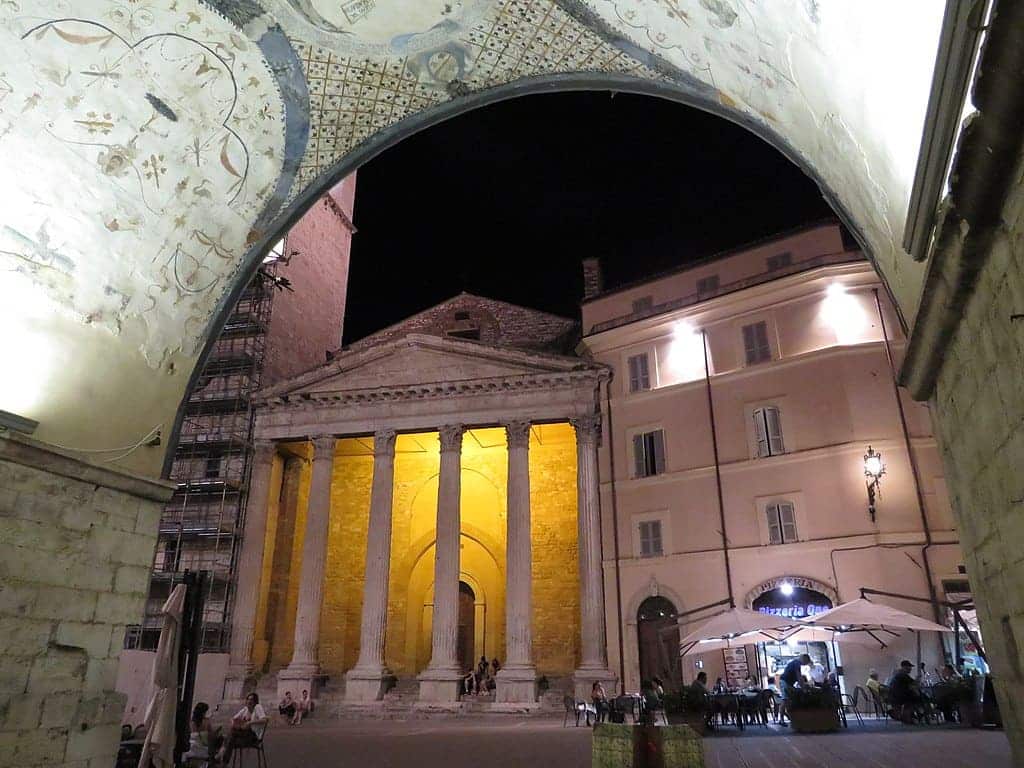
(696, 720)
(646, 746)
(817, 720)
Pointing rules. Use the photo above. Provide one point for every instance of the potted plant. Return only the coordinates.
(687, 707)
(813, 710)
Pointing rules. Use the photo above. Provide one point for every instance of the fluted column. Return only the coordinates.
(304, 668)
(365, 681)
(594, 652)
(440, 680)
(516, 682)
(250, 570)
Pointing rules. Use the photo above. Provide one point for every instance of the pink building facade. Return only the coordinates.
(800, 386)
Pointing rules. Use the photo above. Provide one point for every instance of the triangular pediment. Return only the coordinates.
(421, 360)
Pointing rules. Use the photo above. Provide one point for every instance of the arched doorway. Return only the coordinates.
(658, 642)
(467, 626)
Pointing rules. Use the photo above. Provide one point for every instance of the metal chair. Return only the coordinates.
(575, 706)
(848, 703)
(238, 755)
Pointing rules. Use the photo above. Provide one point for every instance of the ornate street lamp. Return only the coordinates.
(873, 471)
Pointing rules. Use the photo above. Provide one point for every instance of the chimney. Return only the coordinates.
(593, 280)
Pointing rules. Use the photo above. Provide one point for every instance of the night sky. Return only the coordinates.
(506, 200)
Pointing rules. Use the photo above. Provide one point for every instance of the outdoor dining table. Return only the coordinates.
(738, 698)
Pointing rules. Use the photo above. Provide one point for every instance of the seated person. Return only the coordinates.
(700, 684)
(903, 691)
(287, 706)
(720, 686)
(126, 732)
(772, 686)
(468, 683)
(949, 674)
(495, 667)
(873, 684)
(817, 673)
(659, 687)
(303, 707)
(203, 739)
(247, 727)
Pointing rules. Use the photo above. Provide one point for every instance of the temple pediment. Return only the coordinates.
(428, 362)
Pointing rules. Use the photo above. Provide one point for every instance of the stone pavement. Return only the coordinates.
(496, 742)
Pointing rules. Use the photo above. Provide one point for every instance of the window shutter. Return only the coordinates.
(645, 539)
(750, 343)
(634, 374)
(638, 456)
(788, 520)
(655, 536)
(761, 434)
(774, 529)
(645, 376)
(659, 451)
(773, 421)
(764, 350)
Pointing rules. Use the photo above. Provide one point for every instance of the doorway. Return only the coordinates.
(467, 626)
(658, 641)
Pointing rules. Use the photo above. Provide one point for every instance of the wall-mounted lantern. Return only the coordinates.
(873, 471)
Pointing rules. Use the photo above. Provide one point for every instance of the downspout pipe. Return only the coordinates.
(914, 471)
(718, 471)
(615, 536)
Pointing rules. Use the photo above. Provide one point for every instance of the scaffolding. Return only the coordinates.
(201, 526)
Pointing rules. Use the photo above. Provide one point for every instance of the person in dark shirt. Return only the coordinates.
(791, 675)
(904, 692)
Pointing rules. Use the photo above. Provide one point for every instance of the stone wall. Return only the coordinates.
(979, 407)
(76, 545)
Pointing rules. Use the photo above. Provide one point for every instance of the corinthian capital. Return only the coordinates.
(517, 434)
(451, 437)
(384, 442)
(588, 428)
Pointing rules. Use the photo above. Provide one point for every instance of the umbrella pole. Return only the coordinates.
(920, 674)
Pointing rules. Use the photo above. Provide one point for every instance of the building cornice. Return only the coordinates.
(439, 389)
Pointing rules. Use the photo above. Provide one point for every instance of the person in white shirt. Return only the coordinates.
(817, 673)
(247, 727)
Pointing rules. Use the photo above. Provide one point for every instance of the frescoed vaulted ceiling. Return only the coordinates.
(150, 150)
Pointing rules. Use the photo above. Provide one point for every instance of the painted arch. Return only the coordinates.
(152, 150)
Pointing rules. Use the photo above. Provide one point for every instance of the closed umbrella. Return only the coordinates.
(162, 709)
(737, 626)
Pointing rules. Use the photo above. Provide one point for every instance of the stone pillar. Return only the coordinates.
(304, 670)
(366, 681)
(240, 673)
(517, 680)
(440, 681)
(594, 662)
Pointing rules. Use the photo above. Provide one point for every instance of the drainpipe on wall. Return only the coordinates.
(615, 537)
(913, 464)
(718, 473)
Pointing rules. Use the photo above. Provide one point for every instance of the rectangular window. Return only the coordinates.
(707, 284)
(755, 343)
(642, 304)
(649, 453)
(212, 467)
(639, 373)
(779, 261)
(781, 523)
(650, 538)
(768, 431)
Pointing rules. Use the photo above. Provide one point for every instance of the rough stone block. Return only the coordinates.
(59, 709)
(131, 579)
(94, 639)
(24, 637)
(119, 609)
(98, 742)
(14, 674)
(21, 713)
(59, 603)
(59, 669)
(16, 599)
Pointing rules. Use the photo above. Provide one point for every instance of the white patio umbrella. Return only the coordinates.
(877, 638)
(737, 626)
(862, 614)
(162, 709)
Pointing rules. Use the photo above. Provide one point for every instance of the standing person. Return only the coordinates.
(788, 680)
(481, 667)
(495, 667)
(600, 701)
(247, 727)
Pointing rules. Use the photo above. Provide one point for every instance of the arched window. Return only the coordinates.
(781, 522)
(768, 431)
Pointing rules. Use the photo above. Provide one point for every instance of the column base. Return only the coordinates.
(238, 682)
(298, 679)
(516, 685)
(583, 680)
(440, 685)
(367, 683)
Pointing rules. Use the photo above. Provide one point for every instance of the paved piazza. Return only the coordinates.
(537, 743)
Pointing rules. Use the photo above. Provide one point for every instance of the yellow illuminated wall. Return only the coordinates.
(482, 550)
